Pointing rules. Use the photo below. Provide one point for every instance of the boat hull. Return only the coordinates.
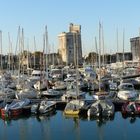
(71, 112)
(11, 112)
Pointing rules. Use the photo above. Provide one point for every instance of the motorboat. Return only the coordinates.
(41, 84)
(46, 106)
(127, 91)
(56, 74)
(100, 95)
(51, 93)
(104, 108)
(29, 93)
(113, 85)
(72, 95)
(131, 108)
(36, 75)
(7, 93)
(15, 108)
(59, 85)
(69, 79)
(73, 107)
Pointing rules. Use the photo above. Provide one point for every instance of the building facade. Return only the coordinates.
(135, 48)
(93, 58)
(70, 46)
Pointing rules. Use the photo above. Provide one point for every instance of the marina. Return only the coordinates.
(91, 103)
(57, 82)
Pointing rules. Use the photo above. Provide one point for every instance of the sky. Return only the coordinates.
(34, 15)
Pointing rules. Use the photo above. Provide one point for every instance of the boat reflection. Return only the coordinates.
(39, 118)
(132, 118)
(42, 117)
(101, 120)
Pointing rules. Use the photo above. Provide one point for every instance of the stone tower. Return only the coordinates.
(70, 46)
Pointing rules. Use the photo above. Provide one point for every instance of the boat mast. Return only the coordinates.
(1, 49)
(117, 46)
(139, 53)
(77, 64)
(28, 58)
(34, 52)
(103, 56)
(22, 50)
(19, 55)
(96, 52)
(76, 60)
(123, 49)
(46, 47)
(53, 55)
(16, 49)
(9, 56)
(99, 56)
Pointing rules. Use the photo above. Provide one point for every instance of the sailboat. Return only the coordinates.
(73, 107)
(102, 106)
(101, 93)
(48, 92)
(46, 106)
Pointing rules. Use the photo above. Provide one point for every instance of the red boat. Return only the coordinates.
(14, 109)
(131, 108)
(11, 112)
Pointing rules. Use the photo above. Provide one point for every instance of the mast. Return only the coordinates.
(19, 55)
(28, 58)
(74, 41)
(103, 56)
(117, 46)
(34, 52)
(123, 48)
(1, 64)
(12, 58)
(9, 56)
(77, 64)
(22, 49)
(9, 63)
(46, 47)
(53, 55)
(110, 55)
(17, 47)
(76, 60)
(96, 52)
(139, 45)
(99, 56)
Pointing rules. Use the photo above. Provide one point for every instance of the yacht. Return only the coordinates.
(127, 91)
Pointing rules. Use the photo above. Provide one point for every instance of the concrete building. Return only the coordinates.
(70, 46)
(135, 48)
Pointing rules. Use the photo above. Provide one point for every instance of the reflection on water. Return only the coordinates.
(59, 126)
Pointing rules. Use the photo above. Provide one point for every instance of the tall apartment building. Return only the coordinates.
(135, 48)
(70, 46)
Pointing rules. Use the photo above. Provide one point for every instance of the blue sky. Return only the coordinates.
(33, 15)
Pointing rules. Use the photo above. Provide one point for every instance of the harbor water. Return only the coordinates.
(57, 126)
